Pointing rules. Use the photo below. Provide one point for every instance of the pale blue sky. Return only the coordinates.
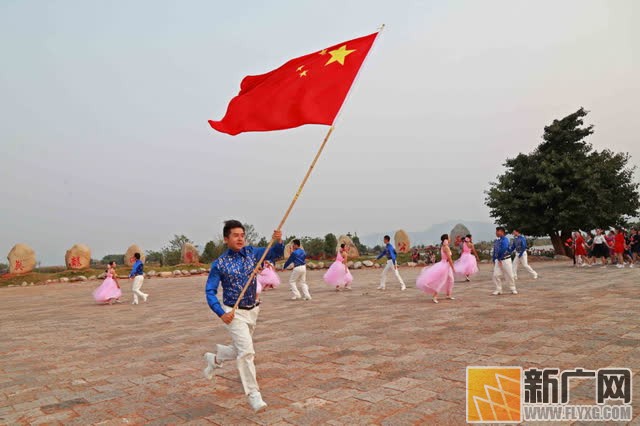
(104, 110)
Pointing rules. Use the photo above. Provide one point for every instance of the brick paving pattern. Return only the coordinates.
(359, 357)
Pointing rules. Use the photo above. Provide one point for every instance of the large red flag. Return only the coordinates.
(306, 90)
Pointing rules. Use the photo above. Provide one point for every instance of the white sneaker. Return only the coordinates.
(307, 297)
(145, 297)
(535, 277)
(496, 293)
(514, 291)
(619, 266)
(295, 297)
(451, 298)
(209, 371)
(256, 402)
(403, 287)
(134, 302)
(347, 288)
(381, 287)
(631, 266)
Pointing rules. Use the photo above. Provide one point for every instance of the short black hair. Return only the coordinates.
(387, 238)
(229, 225)
(501, 228)
(516, 230)
(343, 245)
(468, 235)
(296, 242)
(137, 256)
(443, 237)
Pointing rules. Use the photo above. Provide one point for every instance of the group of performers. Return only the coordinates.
(234, 267)
(618, 246)
(109, 292)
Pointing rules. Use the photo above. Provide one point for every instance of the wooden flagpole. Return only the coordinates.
(295, 198)
(285, 217)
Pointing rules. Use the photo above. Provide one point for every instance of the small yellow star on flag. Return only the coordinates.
(303, 73)
(338, 55)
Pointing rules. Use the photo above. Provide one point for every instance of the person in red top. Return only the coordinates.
(619, 247)
(580, 251)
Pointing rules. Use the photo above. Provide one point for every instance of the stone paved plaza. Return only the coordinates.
(359, 357)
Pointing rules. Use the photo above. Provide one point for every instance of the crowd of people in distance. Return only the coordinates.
(618, 248)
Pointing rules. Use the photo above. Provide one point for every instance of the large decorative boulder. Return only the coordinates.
(352, 250)
(22, 259)
(402, 242)
(288, 249)
(129, 258)
(78, 257)
(189, 254)
(458, 230)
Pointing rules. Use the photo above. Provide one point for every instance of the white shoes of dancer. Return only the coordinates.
(403, 287)
(381, 287)
(514, 292)
(209, 371)
(256, 402)
(496, 293)
(306, 298)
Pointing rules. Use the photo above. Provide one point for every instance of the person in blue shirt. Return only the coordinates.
(501, 257)
(519, 246)
(137, 273)
(231, 271)
(392, 264)
(299, 274)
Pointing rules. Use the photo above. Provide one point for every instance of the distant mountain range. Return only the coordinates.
(481, 231)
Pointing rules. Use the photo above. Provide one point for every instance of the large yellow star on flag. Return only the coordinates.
(338, 55)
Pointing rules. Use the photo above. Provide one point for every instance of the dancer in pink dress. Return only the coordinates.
(267, 278)
(338, 274)
(109, 291)
(439, 277)
(467, 265)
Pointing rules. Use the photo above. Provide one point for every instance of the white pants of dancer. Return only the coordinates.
(525, 264)
(299, 276)
(390, 267)
(503, 271)
(136, 286)
(241, 330)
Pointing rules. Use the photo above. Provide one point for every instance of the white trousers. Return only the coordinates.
(299, 276)
(525, 264)
(503, 271)
(138, 280)
(241, 330)
(390, 267)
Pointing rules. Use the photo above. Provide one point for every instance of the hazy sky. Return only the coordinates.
(104, 110)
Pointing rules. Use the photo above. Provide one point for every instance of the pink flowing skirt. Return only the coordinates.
(338, 274)
(267, 277)
(107, 290)
(436, 279)
(466, 265)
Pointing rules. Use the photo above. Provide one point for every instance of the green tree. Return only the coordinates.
(4, 268)
(171, 253)
(119, 258)
(314, 247)
(178, 241)
(209, 253)
(564, 185)
(362, 249)
(155, 256)
(263, 242)
(330, 244)
(251, 236)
